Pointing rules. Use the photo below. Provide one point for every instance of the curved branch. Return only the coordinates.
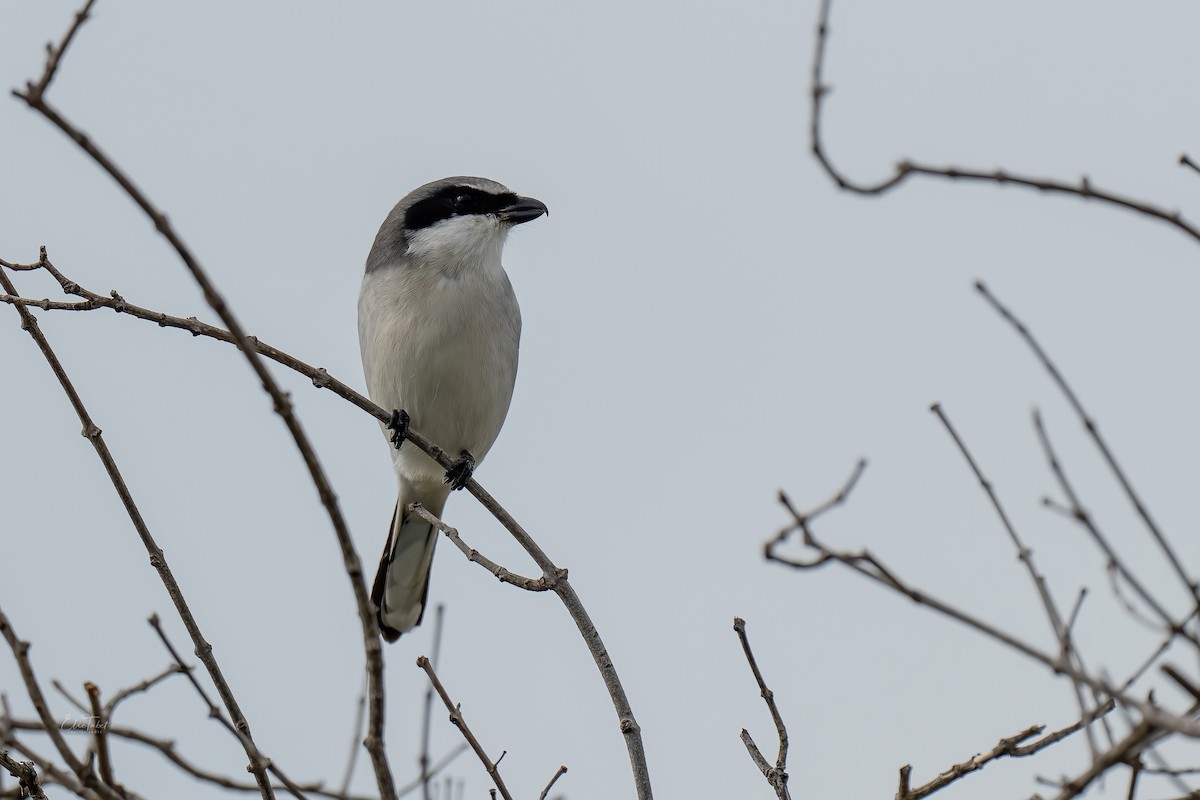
(34, 96)
(907, 168)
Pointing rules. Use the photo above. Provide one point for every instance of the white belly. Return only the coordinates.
(444, 349)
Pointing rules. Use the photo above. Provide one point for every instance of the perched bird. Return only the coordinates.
(439, 328)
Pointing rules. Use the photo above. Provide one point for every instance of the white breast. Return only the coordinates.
(440, 340)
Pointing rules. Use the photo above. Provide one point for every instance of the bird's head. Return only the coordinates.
(452, 223)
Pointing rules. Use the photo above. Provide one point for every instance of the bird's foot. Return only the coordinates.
(398, 425)
(460, 471)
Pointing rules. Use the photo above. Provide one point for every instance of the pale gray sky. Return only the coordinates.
(707, 321)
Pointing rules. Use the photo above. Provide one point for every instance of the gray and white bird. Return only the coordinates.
(439, 327)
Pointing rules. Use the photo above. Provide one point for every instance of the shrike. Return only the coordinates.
(439, 327)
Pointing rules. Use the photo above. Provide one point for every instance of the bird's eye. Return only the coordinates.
(462, 202)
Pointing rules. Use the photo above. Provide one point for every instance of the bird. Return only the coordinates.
(439, 330)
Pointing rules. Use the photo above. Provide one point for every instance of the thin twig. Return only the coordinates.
(70, 698)
(1010, 747)
(51, 774)
(1173, 771)
(54, 54)
(1174, 674)
(1061, 631)
(1116, 565)
(456, 717)
(1134, 773)
(124, 694)
(1093, 431)
(360, 717)
(756, 755)
(1024, 554)
(562, 587)
(100, 722)
(168, 749)
(561, 771)
(867, 565)
(439, 619)
(15, 267)
(437, 767)
(214, 711)
(1149, 662)
(26, 774)
(1142, 734)
(776, 775)
(46, 304)
(474, 556)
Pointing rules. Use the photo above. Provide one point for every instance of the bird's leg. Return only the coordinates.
(398, 425)
(460, 471)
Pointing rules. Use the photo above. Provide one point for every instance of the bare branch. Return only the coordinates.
(426, 722)
(144, 686)
(15, 267)
(1122, 752)
(34, 96)
(1149, 662)
(1177, 676)
(68, 696)
(51, 772)
(777, 775)
(1134, 773)
(1094, 432)
(551, 573)
(869, 566)
(1116, 565)
(756, 755)
(629, 727)
(437, 767)
(833, 502)
(20, 650)
(1061, 631)
(505, 576)
(168, 749)
(1010, 747)
(907, 168)
(1024, 554)
(561, 771)
(54, 54)
(26, 774)
(214, 711)
(101, 738)
(1062, 733)
(460, 723)
(46, 304)
(157, 558)
(360, 718)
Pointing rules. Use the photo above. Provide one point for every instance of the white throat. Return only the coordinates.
(458, 246)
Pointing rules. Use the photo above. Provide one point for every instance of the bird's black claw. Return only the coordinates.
(460, 471)
(398, 425)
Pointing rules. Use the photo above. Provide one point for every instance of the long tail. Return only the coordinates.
(402, 582)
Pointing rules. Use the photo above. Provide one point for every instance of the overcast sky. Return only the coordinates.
(707, 321)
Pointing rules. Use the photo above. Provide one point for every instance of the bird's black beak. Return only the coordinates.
(523, 209)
